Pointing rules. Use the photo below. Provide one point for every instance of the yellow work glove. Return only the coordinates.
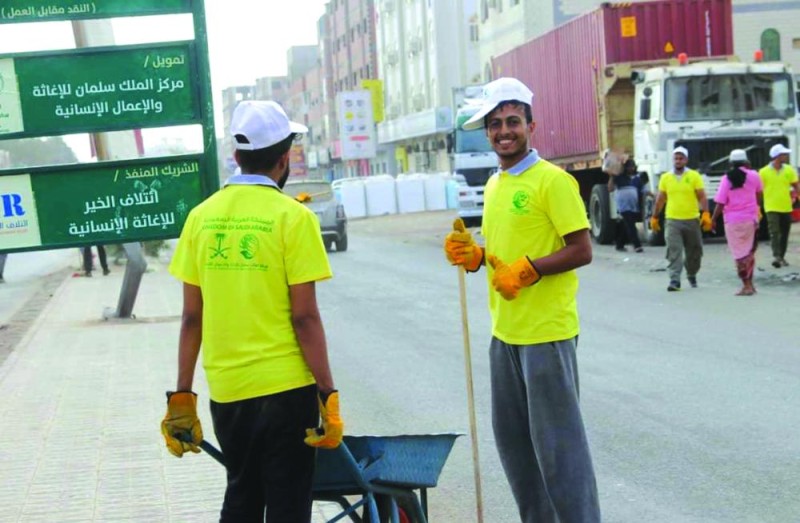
(303, 197)
(329, 436)
(705, 221)
(181, 426)
(508, 280)
(655, 225)
(461, 249)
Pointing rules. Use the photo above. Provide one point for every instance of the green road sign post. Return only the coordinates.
(100, 89)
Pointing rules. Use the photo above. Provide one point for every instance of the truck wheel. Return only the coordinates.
(600, 215)
(655, 239)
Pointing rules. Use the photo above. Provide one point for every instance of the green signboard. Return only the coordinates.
(98, 90)
(114, 202)
(14, 11)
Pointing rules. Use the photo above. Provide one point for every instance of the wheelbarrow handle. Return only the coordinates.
(207, 447)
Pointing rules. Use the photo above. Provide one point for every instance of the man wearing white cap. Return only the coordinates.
(537, 234)
(249, 257)
(779, 178)
(683, 193)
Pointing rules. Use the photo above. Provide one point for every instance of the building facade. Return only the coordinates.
(425, 49)
(349, 56)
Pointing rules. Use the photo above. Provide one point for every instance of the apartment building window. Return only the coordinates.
(473, 31)
(484, 10)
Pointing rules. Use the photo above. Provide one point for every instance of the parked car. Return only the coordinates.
(318, 196)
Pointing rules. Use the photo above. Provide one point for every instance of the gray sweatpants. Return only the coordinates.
(684, 235)
(539, 432)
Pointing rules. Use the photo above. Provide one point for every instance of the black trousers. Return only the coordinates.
(626, 230)
(87, 258)
(269, 467)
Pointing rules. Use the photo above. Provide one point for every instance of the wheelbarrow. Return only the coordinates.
(383, 471)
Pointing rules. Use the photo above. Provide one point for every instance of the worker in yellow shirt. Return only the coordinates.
(249, 257)
(779, 178)
(681, 190)
(537, 234)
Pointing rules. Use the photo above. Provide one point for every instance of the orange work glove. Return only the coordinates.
(461, 249)
(655, 225)
(705, 221)
(181, 426)
(508, 280)
(329, 436)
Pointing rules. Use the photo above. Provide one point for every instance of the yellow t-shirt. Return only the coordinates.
(243, 247)
(528, 215)
(682, 202)
(777, 186)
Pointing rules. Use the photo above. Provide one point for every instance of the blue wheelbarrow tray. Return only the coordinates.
(391, 465)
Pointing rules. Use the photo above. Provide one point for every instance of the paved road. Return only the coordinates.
(690, 398)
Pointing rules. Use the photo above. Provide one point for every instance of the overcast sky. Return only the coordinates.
(247, 38)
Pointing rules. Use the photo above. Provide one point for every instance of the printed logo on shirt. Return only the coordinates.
(248, 246)
(520, 200)
(218, 251)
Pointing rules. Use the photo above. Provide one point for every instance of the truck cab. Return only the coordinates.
(711, 108)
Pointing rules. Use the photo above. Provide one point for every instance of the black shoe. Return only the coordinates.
(621, 249)
(639, 249)
(674, 286)
(106, 272)
(693, 281)
(776, 263)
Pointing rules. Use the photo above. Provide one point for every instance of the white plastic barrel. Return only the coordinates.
(410, 193)
(381, 195)
(352, 196)
(435, 192)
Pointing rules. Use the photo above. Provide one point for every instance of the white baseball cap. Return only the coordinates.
(495, 93)
(681, 150)
(263, 123)
(778, 149)
(738, 155)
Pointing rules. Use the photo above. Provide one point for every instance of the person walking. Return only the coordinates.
(88, 263)
(626, 188)
(537, 234)
(737, 200)
(681, 190)
(249, 258)
(779, 178)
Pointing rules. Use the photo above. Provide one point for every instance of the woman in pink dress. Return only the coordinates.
(738, 199)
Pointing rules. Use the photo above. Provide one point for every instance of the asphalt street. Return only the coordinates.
(690, 398)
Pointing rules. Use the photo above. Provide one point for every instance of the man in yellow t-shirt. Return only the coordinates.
(537, 234)
(249, 257)
(779, 178)
(681, 190)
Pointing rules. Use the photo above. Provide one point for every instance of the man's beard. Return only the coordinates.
(285, 177)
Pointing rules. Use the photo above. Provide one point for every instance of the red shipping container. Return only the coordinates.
(561, 66)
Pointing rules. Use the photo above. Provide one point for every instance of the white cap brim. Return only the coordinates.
(476, 122)
(297, 127)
